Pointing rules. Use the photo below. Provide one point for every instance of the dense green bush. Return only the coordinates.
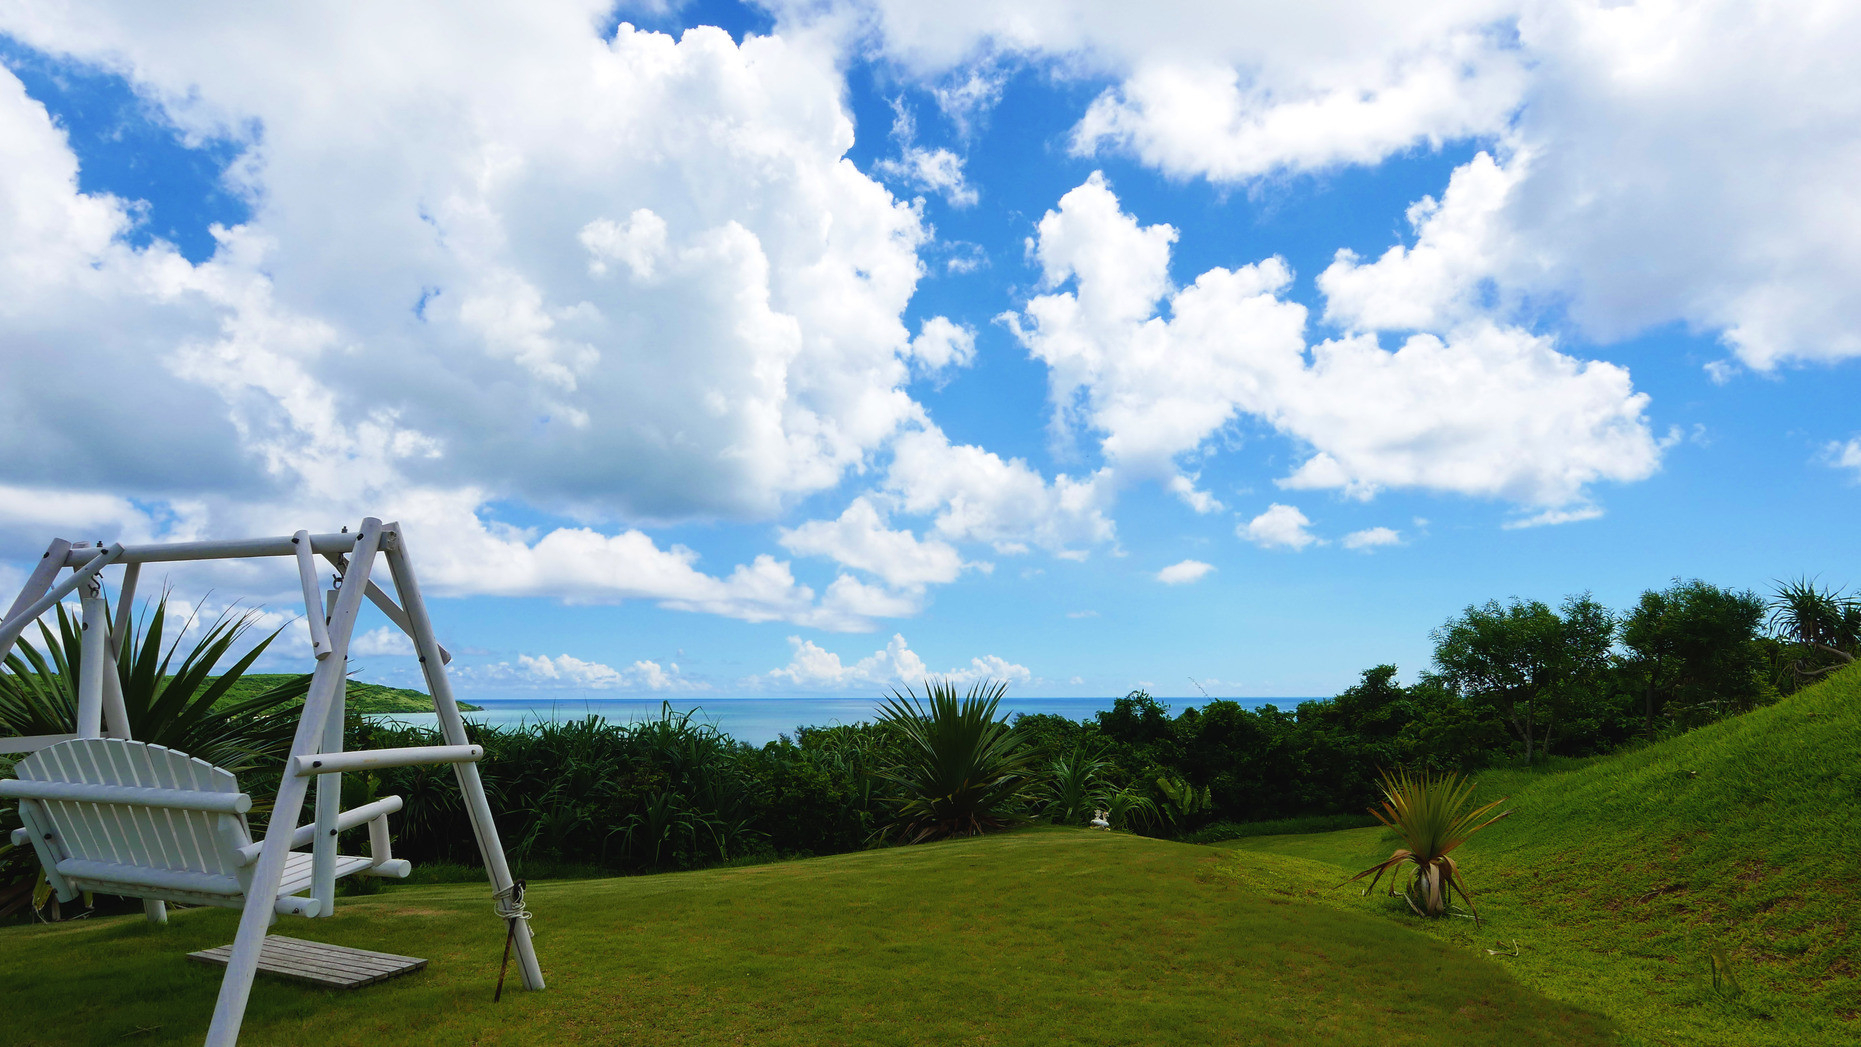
(668, 793)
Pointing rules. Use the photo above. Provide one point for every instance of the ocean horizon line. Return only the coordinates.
(762, 718)
(474, 698)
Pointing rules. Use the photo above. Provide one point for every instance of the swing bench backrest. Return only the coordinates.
(122, 817)
(144, 821)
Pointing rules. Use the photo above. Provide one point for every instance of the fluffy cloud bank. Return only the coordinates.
(810, 668)
(630, 278)
(1669, 161)
(897, 666)
(1227, 89)
(1156, 372)
(567, 672)
(632, 274)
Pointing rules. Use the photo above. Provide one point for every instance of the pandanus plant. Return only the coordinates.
(1076, 785)
(1821, 626)
(960, 771)
(1429, 813)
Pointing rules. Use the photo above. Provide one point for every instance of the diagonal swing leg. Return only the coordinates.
(37, 585)
(420, 628)
(262, 890)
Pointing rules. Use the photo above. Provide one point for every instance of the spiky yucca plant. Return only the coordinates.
(178, 706)
(959, 770)
(1429, 812)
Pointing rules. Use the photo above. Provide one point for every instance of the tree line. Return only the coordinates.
(1509, 681)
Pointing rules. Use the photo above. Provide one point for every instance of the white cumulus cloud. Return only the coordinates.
(567, 672)
(1281, 527)
(895, 667)
(1157, 372)
(387, 640)
(976, 495)
(942, 346)
(1372, 538)
(1184, 572)
(1844, 454)
(934, 170)
(861, 539)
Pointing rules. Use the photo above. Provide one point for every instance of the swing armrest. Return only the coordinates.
(345, 821)
(21, 838)
(374, 759)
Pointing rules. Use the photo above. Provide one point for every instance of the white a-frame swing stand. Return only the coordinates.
(107, 813)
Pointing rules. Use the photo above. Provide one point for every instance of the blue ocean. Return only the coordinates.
(760, 720)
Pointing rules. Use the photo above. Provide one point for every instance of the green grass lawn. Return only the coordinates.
(1041, 936)
(1619, 877)
(1605, 896)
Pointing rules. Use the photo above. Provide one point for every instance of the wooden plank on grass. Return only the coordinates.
(317, 963)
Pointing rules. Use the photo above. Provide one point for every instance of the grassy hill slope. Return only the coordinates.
(1045, 936)
(362, 697)
(1619, 877)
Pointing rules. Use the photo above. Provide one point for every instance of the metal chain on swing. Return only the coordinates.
(511, 907)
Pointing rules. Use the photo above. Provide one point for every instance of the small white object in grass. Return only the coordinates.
(1099, 820)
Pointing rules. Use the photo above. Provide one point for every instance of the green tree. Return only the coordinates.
(1448, 732)
(1528, 662)
(1694, 650)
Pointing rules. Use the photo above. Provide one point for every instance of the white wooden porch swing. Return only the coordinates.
(110, 814)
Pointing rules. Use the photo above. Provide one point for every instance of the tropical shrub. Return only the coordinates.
(1077, 785)
(668, 793)
(1129, 809)
(819, 791)
(959, 771)
(1181, 805)
(1428, 812)
(1820, 630)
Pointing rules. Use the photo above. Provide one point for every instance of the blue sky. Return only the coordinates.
(849, 347)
